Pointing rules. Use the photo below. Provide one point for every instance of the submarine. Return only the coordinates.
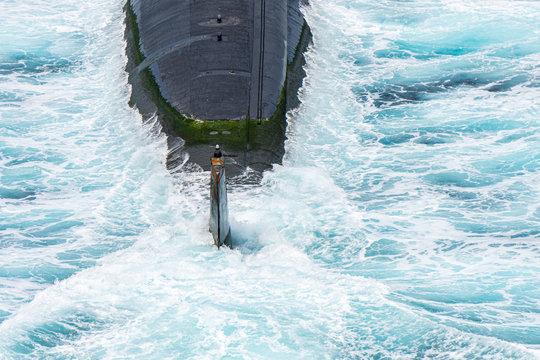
(217, 72)
(221, 72)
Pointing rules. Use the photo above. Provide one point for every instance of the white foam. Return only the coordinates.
(347, 250)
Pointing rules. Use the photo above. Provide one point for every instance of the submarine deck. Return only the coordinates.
(209, 79)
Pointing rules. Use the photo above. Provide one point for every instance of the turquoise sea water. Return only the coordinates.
(404, 222)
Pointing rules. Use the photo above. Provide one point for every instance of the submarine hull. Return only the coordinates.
(207, 81)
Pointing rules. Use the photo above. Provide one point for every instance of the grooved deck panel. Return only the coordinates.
(210, 79)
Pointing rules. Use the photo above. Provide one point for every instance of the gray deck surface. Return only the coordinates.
(218, 80)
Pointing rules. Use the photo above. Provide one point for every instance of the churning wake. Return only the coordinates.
(403, 223)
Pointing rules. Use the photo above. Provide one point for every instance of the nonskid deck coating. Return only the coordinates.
(210, 79)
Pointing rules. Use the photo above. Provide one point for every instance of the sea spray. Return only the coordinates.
(402, 224)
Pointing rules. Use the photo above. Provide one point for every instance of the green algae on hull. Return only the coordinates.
(191, 130)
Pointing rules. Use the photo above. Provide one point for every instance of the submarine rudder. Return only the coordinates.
(219, 212)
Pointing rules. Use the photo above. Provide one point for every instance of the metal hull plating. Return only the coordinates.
(218, 72)
(219, 213)
(209, 79)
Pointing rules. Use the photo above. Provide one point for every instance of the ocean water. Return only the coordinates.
(404, 222)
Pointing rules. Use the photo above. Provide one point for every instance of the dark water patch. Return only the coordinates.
(398, 94)
(356, 59)
(332, 255)
(37, 66)
(8, 240)
(491, 125)
(515, 245)
(422, 51)
(461, 195)
(373, 187)
(23, 241)
(477, 228)
(446, 245)
(245, 244)
(17, 194)
(529, 335)
(515, 137)
(526, 227)
(106, 246)
(469, 35)
(387, 115)
(14, 152)
(121, 229)
(10, 97)
(517, 50)
(59, 227)
(36, 63)
(4, 315)
(515, 164)
(40, 157)
(416, 338)
(391, 121)
(392, 94)
(35, 219)
(506, 85)
(496, 201)
(432, 140)
(44, 273)
(533, 165)
(472, 126)
(451, 293)
(401, 91)
(464, 79)
(435, 308)
(402, 133)
(384, 247)
(37, 341)
(32, 80)
(475, 318)
(396, 139)
(18, 175)
(72, 255)
(367, 138)
(362, 61)
(392, 54)
(526, 234)
(95, 186)
(418, 136)
(459, 179)
(401, 18)
(18, 155)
